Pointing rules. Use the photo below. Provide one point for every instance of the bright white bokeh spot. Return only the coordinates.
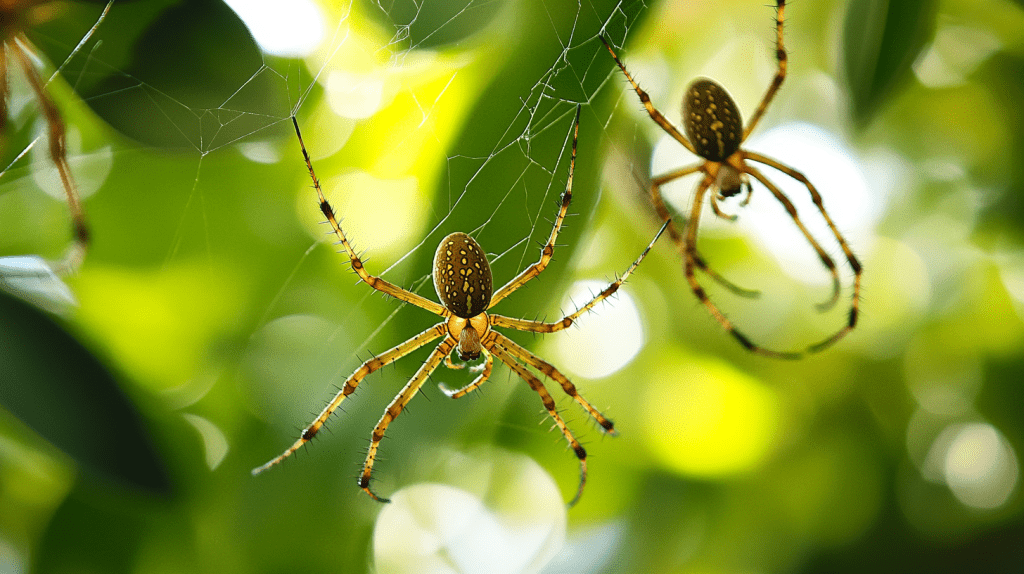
(514, 524)
(88, 168)
(288, 29)
(354, 96)
(215, 444)
(33, 278)
(605, 339)
(260, 152)
(980, 466)
(834, 171)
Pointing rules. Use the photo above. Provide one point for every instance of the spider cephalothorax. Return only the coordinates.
(462, 278)
(715, 132)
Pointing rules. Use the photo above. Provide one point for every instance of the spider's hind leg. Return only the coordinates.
(691, 257)
(851, 259)
(677, 238)
(395, 408)
(549, 405)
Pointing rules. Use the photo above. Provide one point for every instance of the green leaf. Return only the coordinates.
(881, 40)
(57, 387)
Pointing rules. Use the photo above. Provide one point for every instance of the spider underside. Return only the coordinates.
(715, 132)
(462, 279)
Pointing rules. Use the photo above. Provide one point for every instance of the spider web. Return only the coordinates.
(452, 116)
(476, 100)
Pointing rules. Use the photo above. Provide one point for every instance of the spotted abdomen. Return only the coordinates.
(711, 120)
(462, 276)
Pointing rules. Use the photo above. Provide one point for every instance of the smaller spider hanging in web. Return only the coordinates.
(462, 279)
(715, 132)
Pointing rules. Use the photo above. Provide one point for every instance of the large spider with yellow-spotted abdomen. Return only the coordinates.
(462, 279)
(715, 132)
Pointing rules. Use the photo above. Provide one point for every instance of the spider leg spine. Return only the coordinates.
(351, 384)
(551, 372)
(823, 255)
(397, 405)
(549, 404)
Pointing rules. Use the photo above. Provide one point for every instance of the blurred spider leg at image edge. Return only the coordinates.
(463, 282)
(714, 132)
(18, 45)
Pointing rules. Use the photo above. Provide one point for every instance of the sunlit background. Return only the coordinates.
(212, 317)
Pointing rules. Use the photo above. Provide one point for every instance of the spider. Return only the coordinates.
(15, 17)
(715, 132)
(462, 279)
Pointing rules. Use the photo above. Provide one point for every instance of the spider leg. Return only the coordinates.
(58, 154)
(549, 404)
(350, 385)
(677, 237)
(549, 248)
(542, 327)
(479, 380)
(850, 257)
(395, 408)
(4, 89)
(826, 259)
(780, 74)
(690, 257)
(646, 101)
(552, 373)
(357, 263)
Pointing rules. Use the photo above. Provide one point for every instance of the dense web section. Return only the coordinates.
(475, 101)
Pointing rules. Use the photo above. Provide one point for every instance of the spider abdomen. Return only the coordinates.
(462, 276)
(711, 120)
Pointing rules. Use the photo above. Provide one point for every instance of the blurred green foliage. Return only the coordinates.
(211, 301)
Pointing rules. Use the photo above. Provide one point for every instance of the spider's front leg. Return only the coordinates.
(548, 251)
(357, 263)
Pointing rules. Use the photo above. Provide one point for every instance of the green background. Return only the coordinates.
(213, 318)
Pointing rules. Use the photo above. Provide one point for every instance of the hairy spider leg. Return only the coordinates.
(646, 101)
(357, 263)
(826, 259)
(395, 408)
(673, 232)
(780, 73)
(689, 259)
(851, 259)
(386, 358)
(568, 320)
(549, 248)
(58, 152)
(549, 404)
